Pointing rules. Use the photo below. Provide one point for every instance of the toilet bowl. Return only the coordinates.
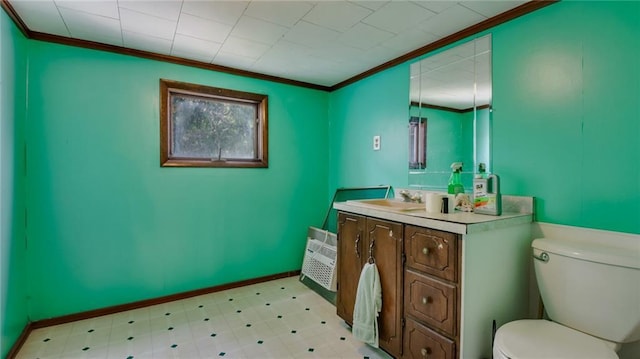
(548, 340)
(590, 290)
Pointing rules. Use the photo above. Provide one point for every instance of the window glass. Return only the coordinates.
(212, 127)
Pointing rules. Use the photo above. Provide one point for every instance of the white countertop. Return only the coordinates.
(459, 222)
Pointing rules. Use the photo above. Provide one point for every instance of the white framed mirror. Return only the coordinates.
(451, 94)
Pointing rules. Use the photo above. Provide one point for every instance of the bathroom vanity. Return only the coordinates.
(445, 277)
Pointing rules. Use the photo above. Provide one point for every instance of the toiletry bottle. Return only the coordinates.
(455, 181)
(493, 203)
(480, 188)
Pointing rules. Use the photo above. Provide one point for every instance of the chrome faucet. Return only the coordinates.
(409, 197)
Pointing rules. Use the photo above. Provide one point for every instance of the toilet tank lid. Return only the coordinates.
(617, 253)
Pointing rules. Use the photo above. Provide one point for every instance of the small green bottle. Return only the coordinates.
(455, 181)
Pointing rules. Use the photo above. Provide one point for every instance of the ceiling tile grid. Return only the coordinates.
(319, 42)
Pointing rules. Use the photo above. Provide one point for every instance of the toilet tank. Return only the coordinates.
(591, 285)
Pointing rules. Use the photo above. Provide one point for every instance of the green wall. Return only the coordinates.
(566, 120)
(13, 281)
(376, 105)
(567, 112)
(108, 225)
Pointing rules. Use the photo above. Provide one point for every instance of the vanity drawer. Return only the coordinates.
(431, 301)
(421, 342)
(431, 251)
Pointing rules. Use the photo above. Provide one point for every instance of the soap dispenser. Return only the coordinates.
(455, 181)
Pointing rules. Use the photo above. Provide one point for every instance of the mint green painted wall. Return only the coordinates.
(108, 225)
(566, 112)
(377, 105)
(13, 282)
(565, 121)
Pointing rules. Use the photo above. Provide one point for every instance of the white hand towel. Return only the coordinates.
(368, 305)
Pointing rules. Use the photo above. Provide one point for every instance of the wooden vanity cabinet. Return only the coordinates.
(437, 274)
(359, 238)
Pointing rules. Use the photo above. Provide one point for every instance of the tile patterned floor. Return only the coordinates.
(277, 319)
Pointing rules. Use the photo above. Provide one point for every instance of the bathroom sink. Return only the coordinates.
(393, 204)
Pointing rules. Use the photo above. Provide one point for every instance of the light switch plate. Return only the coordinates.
(376, 143)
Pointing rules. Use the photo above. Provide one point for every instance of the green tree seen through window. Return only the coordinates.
(210, 127)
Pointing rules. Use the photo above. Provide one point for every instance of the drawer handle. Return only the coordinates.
(425, 251)
(426, 300)
(425, 351)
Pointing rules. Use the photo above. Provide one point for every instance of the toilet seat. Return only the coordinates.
(546, 339)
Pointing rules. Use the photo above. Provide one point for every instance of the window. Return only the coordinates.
(202, 126)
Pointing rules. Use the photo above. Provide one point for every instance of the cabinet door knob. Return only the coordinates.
(426, 300)
(425, 250)
(425, 351)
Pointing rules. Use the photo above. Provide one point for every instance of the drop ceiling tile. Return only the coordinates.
(286, 13)
(268, 66)
(336, 52)
(194, 48)
(309, 34)
(397, 16)
(282, 55)
(146, 43)
(317, 73)
(436, 6)
(244, 47)
(147, 24)
(375, 56)
(226, 12)
(363, 36)
(232, 60)
(338, 16)
(204, 29)
(166, 9)
(414, 38)
(491, 8)
(451, 20)
(41, 16)
(86, 26)
(258, 30)
(97, 7)
(373, 5)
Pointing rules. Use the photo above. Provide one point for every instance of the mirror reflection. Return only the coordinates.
(450, 95)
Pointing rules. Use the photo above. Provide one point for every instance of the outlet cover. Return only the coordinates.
(376, 143)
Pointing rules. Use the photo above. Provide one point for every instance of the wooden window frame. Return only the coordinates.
(168, 87)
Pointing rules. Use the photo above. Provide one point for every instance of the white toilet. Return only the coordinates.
(591, 293)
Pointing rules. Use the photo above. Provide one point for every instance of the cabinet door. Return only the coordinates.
(351, 244)
(431, 251)
(384, 240)
(422, 342)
